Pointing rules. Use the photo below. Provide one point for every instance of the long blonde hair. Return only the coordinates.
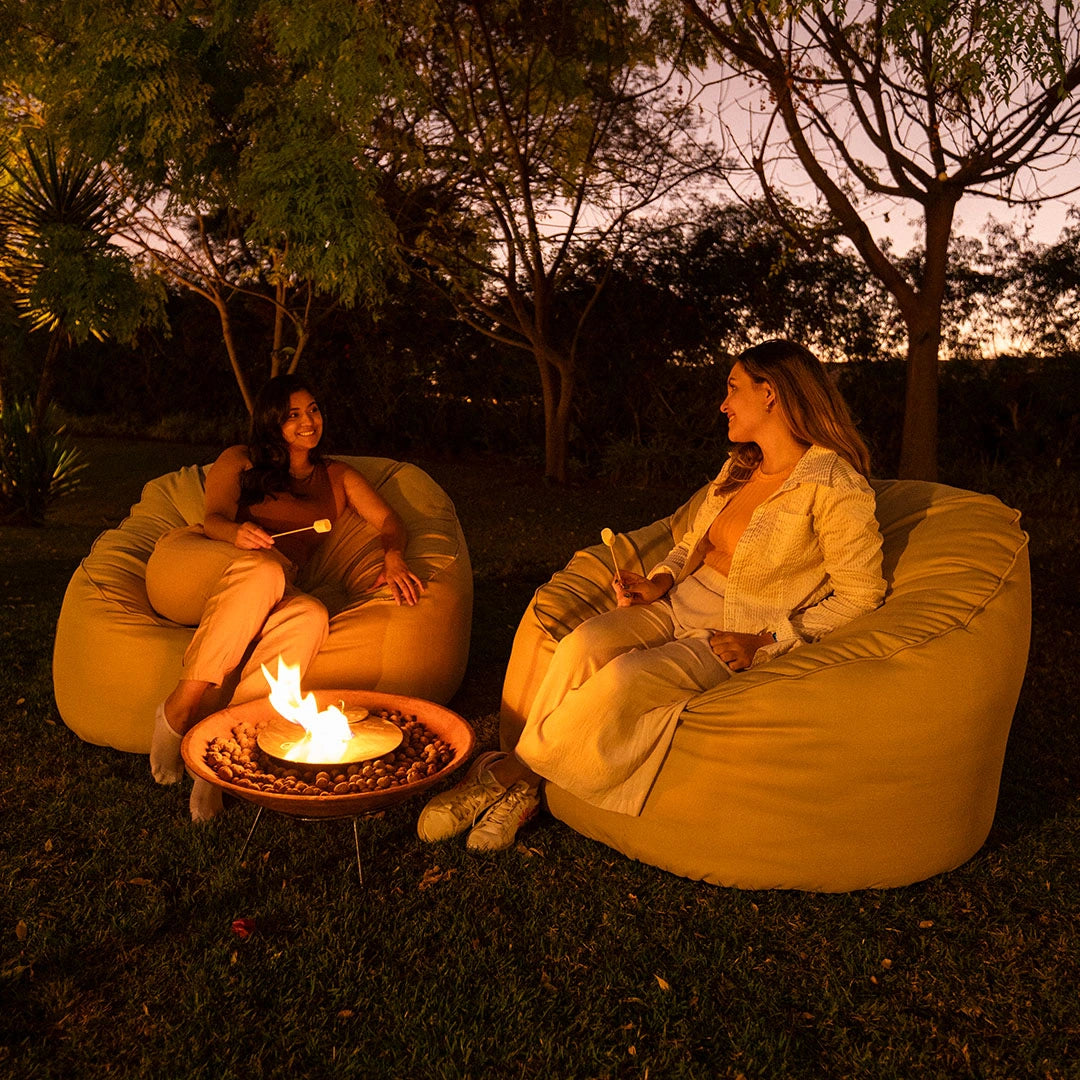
(812, 407)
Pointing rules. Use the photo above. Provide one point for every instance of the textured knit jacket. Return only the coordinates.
(808, 562)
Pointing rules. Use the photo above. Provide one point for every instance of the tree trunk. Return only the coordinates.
(279, 329)
(302, 335)
(230, 348)
(922, 315)
(3, 380)
(48, 378)
(557, 387)
(918, 446)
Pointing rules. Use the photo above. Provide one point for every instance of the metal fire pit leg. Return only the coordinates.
(355, 831)
(356, 841)
(258, 814)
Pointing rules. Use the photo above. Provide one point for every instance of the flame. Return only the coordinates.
(327, 732)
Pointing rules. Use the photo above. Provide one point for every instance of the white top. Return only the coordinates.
(809, 559)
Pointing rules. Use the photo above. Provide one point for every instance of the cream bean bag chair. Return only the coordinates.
(869, 759)
(115, 659)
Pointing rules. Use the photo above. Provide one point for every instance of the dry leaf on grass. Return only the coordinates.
(433, 875)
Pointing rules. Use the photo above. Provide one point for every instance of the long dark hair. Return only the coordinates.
(813, 408)
(269, 472)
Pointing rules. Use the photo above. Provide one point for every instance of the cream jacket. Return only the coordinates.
(808, 562)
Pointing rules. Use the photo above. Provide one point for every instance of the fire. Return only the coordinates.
(327, 732)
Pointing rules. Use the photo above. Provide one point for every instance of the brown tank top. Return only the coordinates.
(729, 525)
(307, 502)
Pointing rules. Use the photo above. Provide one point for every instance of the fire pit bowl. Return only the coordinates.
(440, 721)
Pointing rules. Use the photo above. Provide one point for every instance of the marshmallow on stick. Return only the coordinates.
(609, 538)
(320, 526)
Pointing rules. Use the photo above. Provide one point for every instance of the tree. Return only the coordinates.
(68, 281)
(236, 132)
(746, 278)
(67, 278)
(690, 290)
(532, 134)
(1046, 292)
(920, 101)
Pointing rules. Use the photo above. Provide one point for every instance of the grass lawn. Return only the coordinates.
(559, 959)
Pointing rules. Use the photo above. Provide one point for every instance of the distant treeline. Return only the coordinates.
(652, 360)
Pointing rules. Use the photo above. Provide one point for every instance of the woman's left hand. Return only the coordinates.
(737, 650)
(405, 586)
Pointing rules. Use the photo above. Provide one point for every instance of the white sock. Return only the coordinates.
(165, 763)
(205, 802)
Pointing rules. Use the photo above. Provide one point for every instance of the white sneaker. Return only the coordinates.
(456, 810)
(497, 829)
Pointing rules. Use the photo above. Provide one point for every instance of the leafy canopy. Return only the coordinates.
(260, 107)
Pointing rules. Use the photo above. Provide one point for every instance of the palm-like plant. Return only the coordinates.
(56, 212)
(57, 263)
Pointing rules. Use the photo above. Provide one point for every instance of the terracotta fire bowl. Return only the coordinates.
(447, 725)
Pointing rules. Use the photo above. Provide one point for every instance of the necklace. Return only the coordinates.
(779, 474)
(306, 478)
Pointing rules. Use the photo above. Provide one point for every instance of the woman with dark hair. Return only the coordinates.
(232, 576)
(784, 549)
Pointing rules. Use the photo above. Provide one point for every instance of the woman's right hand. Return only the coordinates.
(252, 537)
(631, 588)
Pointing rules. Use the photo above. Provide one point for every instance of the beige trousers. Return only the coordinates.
(605, 713)
(240, 602)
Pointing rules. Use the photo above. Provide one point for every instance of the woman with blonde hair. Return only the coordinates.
(784, 549)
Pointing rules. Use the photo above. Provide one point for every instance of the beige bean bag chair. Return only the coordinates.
(869, 759)
(115, 659)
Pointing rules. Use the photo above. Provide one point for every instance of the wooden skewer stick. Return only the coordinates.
(321, 526)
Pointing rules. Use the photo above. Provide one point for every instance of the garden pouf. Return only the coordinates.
(871, 758)
(115, 659)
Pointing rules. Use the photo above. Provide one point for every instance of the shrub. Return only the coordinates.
(37, 466)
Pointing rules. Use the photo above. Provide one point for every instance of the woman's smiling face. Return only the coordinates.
(303, 426)
(746, 405)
